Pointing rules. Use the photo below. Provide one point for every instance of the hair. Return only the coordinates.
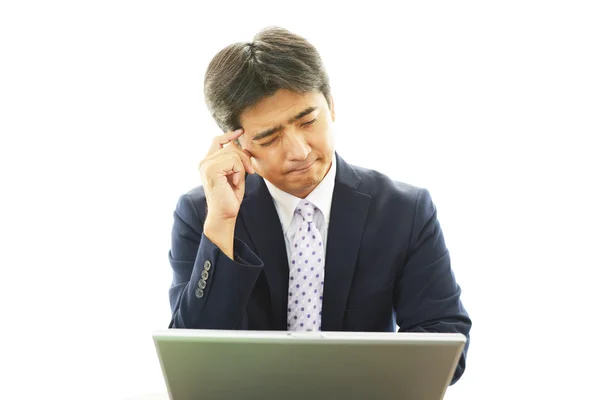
(242, 74)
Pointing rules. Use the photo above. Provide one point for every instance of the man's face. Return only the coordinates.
(290, 138)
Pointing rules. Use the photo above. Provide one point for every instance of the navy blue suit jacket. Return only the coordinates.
(387, 265)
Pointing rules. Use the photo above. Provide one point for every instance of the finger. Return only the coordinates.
(238, 170)
(237, 177)
(245, 157)
(228, 162)
(220, 141)
(235, 164)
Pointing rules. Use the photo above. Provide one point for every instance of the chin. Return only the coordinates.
(307, 185)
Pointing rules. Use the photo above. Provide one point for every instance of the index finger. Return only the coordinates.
(220, 141)
(246, 157)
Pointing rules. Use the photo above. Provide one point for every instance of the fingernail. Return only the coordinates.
(237, 131)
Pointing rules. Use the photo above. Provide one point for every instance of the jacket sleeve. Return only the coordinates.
(427, 296)
(209, 290)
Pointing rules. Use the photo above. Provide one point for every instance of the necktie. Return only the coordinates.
(307, 272)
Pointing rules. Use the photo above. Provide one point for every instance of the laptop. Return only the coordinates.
(213, 364)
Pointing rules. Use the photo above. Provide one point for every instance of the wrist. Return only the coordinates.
(220, 224)
(221, 233)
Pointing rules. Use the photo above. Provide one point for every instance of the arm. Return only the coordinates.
(427, 297)
(227, 285)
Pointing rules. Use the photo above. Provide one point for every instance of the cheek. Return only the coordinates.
(259, 164)
(325, 142)
(265, 165)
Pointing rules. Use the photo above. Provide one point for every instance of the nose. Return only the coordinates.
(296, 146)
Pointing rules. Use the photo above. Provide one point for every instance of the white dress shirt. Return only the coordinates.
(286, 204)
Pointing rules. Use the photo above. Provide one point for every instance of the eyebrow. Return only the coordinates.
(271, 131)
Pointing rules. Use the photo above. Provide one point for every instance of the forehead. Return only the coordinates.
(279, 108)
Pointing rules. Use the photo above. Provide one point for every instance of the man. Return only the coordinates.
(284, 234)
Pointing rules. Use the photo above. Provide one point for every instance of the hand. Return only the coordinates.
(223, 173)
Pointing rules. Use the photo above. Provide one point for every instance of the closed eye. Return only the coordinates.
(270, 142)
(309, 122)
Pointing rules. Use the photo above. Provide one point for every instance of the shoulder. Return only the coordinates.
(395, 198)
(383, 188)
(192, 204)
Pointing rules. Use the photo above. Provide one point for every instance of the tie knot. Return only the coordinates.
(306, 210)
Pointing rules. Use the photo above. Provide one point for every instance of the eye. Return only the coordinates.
(270, 142)
(309, 123)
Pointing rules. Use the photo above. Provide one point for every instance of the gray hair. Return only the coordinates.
(242, 74)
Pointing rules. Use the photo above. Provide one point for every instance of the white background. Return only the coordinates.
(493, 106)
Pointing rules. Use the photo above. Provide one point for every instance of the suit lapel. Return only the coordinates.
(349, 210)
(264, 228)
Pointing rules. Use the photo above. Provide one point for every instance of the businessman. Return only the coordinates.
(284, 234)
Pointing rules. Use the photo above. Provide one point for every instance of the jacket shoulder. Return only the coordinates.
(192, 204)
(380, 186)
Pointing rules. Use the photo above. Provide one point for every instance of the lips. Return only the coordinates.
(303, 168)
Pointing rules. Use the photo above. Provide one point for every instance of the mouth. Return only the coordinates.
(301, 169)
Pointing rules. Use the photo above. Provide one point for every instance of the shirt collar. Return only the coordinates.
(321, 197)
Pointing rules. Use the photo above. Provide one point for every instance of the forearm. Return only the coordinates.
(457, 324)
(221, 233)
(216, 294)
(427, 294)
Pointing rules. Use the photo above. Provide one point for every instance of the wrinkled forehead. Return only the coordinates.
(278, 109)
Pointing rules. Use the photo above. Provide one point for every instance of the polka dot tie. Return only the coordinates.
(307, 272)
